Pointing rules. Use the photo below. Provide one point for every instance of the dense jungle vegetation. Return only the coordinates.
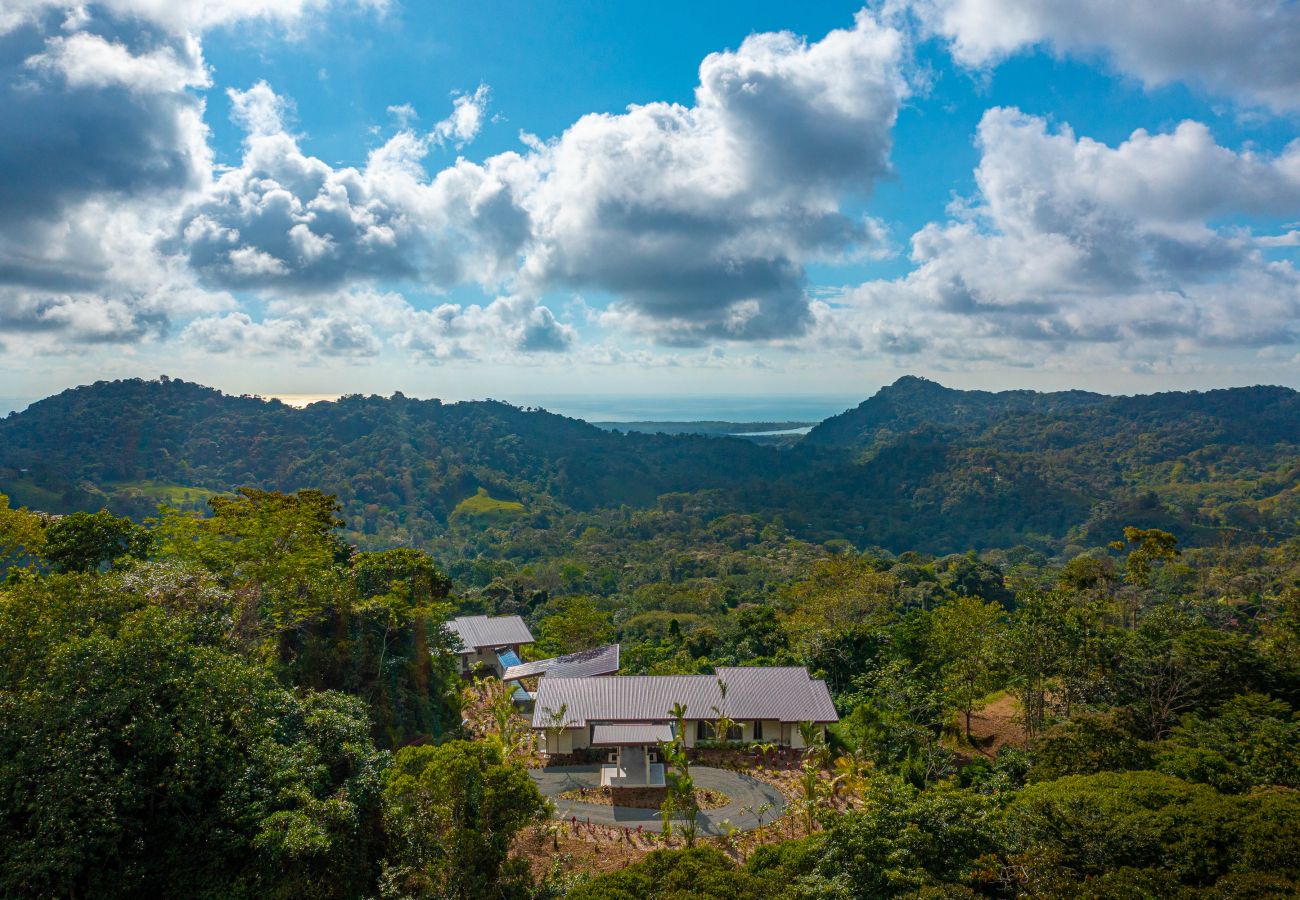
(247, 691)
(916, 467)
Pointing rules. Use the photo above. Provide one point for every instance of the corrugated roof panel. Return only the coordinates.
(786, 693)
(475, 632)
(584, 664)
(631, 733)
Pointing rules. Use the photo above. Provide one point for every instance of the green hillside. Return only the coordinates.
(917, 466)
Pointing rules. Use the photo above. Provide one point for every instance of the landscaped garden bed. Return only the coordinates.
(636, 798)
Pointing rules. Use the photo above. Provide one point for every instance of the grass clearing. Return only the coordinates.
(486, 509)
(178, 495)
(29, 494)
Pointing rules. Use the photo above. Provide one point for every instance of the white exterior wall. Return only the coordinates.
(571, 739)
(774, 732)
(771, 731)
(796, 739)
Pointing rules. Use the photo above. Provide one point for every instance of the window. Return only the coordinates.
(758, 730)
(704, 731)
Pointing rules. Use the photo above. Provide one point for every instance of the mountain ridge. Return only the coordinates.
(917, 464)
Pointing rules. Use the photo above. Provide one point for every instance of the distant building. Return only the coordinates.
(489, 641)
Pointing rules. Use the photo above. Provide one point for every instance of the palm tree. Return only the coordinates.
(723, 723)
(812, 792)
(814, 741)
(759, 811)
(851, 770)
(680, 802)
(678, 713)
(556, 719)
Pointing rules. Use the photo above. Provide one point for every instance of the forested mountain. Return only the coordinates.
(393, 462)
(911, 403)
(916, 466)
(261, 701)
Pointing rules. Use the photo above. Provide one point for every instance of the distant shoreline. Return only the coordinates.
(711, 427)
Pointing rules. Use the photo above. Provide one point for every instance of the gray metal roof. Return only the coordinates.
(632, 733)
(786, 694)
(474, 632)
(583, 664)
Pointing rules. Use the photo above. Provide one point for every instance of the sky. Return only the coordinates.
(529, 200)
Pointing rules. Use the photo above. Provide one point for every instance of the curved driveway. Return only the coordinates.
(742, 789)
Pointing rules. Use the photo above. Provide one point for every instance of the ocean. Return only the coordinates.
(758, 408)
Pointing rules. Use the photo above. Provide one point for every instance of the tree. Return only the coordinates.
(902, 840)
(277, 551)
(851, 773)
(899, 722)
(1086, 745)
(843, 593)
(1153, 545)
(1089, 825)
(812, 792)
(84, 542)
(22, 535)
(813, 736)
(971, 577)
(139, 757)
(451, 813)
(722, 723)
(573, 624)
(380, 634)
(680, 804)
(325, 617)
(409, 574)
(966, 640)
(555, 721)
(678, 714)
(1032, 655)
(511, 734)
(703, 873)
(1247, 742)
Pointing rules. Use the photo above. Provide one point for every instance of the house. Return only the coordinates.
(767, 704)
(490, 642)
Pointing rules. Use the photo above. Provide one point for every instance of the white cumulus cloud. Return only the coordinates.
(699, 219)
(1240, 48)
(1070, 241)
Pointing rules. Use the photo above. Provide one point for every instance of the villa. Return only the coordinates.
(631, 714)
(491, 642)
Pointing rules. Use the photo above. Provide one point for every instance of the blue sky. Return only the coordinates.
(310, 197)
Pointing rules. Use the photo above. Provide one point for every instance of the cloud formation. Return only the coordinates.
(176, 16)
(104, 136)
(290, 222)
(698, 219)
(357, 323)
(1072, 242)
(691, 225)
(1239, 48)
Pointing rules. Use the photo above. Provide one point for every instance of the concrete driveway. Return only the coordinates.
(742, 789)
